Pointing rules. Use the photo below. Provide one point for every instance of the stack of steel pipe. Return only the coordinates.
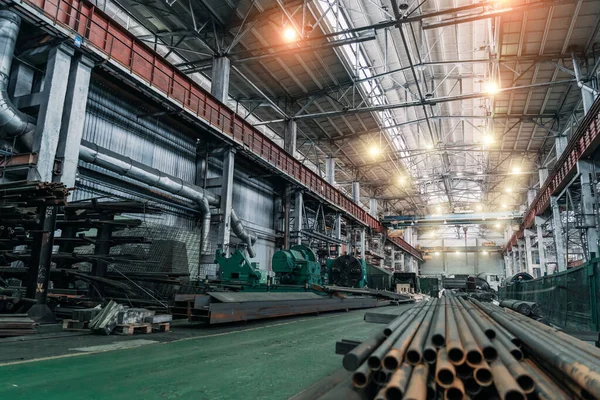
(456, 348)
(524, 307)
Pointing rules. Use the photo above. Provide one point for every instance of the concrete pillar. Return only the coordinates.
(588, 205)
(531, 193)
(393, 263)
(226, 198)
(540, 240)
(52, 102)
(298, 217)
(71, 129)
(543, 173)
(356, 192)
(528, 252)
(362, 242)
(402, 260)
(289, 137)
(373, 207)
(330, 170)
(219, 84)
(559, 240)
(560, 145)
(349, 241)
(21, 80)
(507, 268)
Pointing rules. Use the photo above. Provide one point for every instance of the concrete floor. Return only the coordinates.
(263, 360)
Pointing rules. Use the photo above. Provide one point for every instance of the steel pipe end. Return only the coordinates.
(490, 353)
(430, 355)
(456, 355)
(413, 356)
(393, 393)
(483, 376)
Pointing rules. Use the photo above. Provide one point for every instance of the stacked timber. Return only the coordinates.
(453, 348)
(16, 325)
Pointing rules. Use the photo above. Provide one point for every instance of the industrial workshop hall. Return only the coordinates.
(299, 199)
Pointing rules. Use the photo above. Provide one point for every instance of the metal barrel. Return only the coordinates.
(353, 359)
(438, 335)
(414, 353)
(445, 373)
(398, 382)
(585, 375)
(376, 357)
(456, 391)
(395, 356)
(484, 324)
(483, 374)
(417, 387)
(507, 387)
(456, 353)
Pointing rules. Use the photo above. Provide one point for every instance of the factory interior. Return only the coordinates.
(299, 199)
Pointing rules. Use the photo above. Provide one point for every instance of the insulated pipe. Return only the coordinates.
(125, 166)
(13, 123)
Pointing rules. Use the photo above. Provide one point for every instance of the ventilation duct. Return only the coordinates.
(13, 123)
(152, 177)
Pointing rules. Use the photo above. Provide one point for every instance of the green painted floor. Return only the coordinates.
(272, 361)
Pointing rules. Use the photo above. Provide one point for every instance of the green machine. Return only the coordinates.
(237, 268)
(347, 271)
(296, 266)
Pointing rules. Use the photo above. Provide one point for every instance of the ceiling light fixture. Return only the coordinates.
(516, 170)
(289, 34)
(374, 150)
(491, 88)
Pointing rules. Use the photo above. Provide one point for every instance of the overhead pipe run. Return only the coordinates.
(125, 166)
(13, 123)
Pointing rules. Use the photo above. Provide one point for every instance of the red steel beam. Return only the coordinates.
(107, 39)
(583, 144)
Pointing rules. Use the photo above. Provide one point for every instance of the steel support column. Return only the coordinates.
(393, 260)
(337, 232)
(45, 142)
(330, 170)
(588, 205)
(290, 137)
(528, 252)
(226, 198)
(362, 242)
(543, 173)
(560, 144)
(402, 261)
(514, 266)
(298, 217)
(587, 93)
(559, 241)
(219, 85)
(71, 129)
(356, 192)
(531, 193)
(540, 240)
(373, 207)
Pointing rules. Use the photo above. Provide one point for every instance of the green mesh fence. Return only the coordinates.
(567, 299)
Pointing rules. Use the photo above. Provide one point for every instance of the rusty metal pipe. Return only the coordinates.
(483, 374)
(395, 356)
(500, 330)
(398, 382)
(473, 356)
(456, 353)
(483, 342)
(558, 357)
(445, 373)
(376, 357)
(417, 387)
(485, 325)
(545, 388)
(414, 354)
(524, 380)
(361, 376)
(353, 359)
(507, 387)
(472, 387)
(438, 335)
(456, 391)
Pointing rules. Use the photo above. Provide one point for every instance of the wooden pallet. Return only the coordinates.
(74, 325)
(131, 329)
